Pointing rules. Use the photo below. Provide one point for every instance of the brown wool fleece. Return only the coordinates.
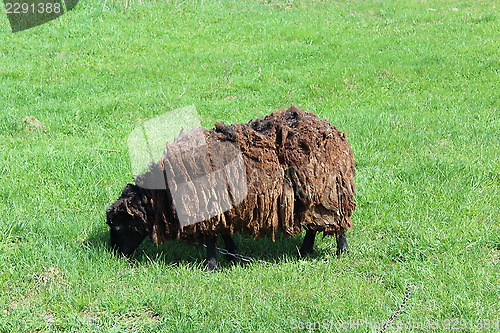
(299, 172)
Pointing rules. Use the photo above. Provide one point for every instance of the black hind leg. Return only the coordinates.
(342, 247)
(211, 262)
(230, 247)
(308, 243)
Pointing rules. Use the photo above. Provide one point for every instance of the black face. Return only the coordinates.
(127, 220)
(125, 238)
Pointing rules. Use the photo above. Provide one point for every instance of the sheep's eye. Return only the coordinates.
(117, 227)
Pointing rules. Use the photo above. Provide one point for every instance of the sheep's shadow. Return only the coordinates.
(180, 252)
(262, 249)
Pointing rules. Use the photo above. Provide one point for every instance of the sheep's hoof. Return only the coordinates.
(210, 266)
(342, 252)
(305, 252)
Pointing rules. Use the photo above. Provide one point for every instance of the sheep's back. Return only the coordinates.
(299, 170)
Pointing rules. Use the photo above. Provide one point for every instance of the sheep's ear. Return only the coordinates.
(117, 227)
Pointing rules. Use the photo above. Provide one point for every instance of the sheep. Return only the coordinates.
(287, 171)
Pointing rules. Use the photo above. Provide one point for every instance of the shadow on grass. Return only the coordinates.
(179, 252)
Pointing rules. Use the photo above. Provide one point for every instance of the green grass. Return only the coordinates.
(416, 90)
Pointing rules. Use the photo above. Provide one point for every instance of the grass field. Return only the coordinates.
(414, 84)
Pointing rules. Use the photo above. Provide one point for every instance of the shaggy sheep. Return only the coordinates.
(295, 170)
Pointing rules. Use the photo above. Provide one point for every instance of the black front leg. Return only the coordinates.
(211, 262)
(308, 243)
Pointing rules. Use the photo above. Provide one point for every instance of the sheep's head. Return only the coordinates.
(127, 219)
